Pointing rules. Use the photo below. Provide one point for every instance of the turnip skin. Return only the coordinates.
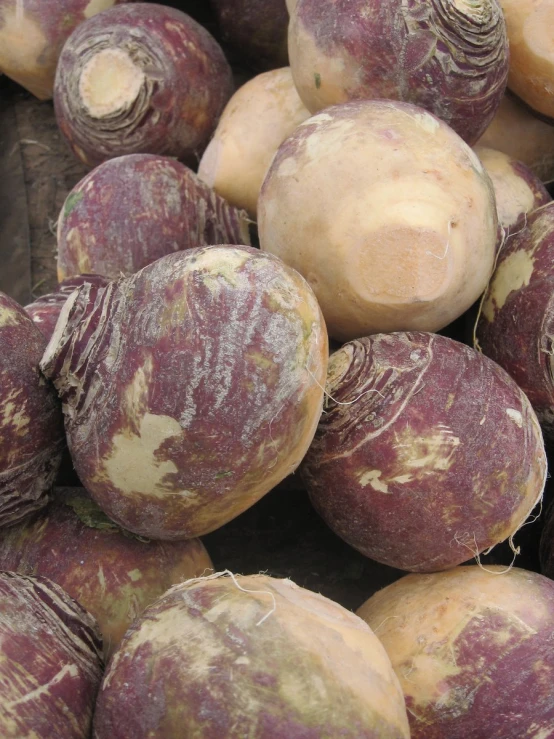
(430, 455)
(135, 209)
(517, 190)
(529, 25)
(172, 84)
(190, 389)
(50, 661)
(386, 212)
(46, 309)
(31, 427)
(209, 659)
(449, 57)
(112, 573)
(516, 322)
(524, 136)
(470, 647)
(257, 119)
(32, 34)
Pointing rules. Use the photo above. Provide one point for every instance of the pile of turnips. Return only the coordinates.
(290, 211)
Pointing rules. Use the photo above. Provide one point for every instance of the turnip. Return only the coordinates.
(386, 212)
(449, 57)
(516, 323)
(32, 34)
(140, 79)
(255, 31)
(31, 428)
(529, 25)
(50, 663)
(134, 209)
(517, 132)
(517, 190)
(472, 650)
(249, 657)
(546, 548)
(112, 573)
(257, 119)
(190, 389)
(428, 452)
(46, 309)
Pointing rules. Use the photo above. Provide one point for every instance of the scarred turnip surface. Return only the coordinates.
(31, 426)
(32, 34)
(190, 389)
(516, 322)
(386, 212)
(253, 657)
(525, 137)
(46, 309)
(472, 650)
(50, 661)
(428, 454)
(447, 56)
(517, 190)
(257, 119)
(140, 79)
(134, 209)
(110, 572)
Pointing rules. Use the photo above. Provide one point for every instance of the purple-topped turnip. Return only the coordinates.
(191, 388)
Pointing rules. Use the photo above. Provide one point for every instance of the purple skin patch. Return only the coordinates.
(51, 662)
(516, 323)
(452, 62)
(187, 82)
(410, 466)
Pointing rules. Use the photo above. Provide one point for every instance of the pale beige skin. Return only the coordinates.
(517, 132)
(386, 212)
(30, 46)
(514, 196)
(424, 620)
(257, 119)
(529, 24)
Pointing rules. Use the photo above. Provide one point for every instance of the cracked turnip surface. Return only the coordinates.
(233, 656)
(142, 78)
(191, 388)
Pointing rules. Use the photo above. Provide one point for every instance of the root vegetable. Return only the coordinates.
(472, 650)
(31, 428)
(134, 209)
(32, 34)
(50, 664)
(546, 549)
(517, 132)
(428, 452)
(255, 31)
(249, 656)
(257, 119)
(516, 323)
(517, 190)
(450, 58)
(140, 79)
(46, 309)
(112, 573)
(386, 212)
(190, 389)
(529, 25)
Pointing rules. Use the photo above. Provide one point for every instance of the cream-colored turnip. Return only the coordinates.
(517, 132)
(518, 191)
(257, 119)
(386, 212)
(530, 24)
(472, 649)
